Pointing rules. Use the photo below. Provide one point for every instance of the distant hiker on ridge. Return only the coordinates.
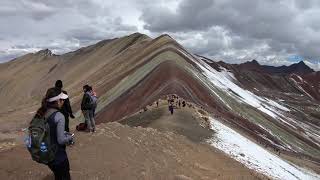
(66, 108)
(183, 103)
(171, 106)
(171, 109)
(52, 146)
(87, 108)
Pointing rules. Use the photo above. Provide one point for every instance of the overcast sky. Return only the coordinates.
(274, 32)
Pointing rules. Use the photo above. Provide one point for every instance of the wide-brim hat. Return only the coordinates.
(60, 96)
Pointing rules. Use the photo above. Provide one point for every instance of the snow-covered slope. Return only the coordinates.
(279, 122)
(254, 156)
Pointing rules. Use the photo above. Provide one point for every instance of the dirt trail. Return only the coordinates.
(184, 121)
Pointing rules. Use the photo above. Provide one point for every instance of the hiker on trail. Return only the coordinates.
(171, 106)
(171, 109)
(66, 108)
(87, 108)
(183, 103)
(157, 103)
(50, 110)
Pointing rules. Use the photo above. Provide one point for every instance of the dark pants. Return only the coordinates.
(66, 125)
(94, 112)
(171, 109)
(61, 170)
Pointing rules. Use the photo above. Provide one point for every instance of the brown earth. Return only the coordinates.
(117, 151)
(184, 121)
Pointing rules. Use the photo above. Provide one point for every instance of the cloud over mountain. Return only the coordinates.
(269, 31)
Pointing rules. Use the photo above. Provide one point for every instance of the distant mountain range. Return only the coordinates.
(298, 68)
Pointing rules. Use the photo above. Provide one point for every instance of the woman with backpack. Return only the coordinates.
(87, 107)
(50, 111)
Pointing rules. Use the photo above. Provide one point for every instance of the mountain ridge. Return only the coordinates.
(131, 72)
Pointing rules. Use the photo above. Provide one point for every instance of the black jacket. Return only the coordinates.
(61, 154)
(85, 104)
(66, 108)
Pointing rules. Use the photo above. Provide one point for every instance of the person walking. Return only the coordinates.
(66, 108)
(171, 106)
(87, 108)
(171, 109)
(50, 110)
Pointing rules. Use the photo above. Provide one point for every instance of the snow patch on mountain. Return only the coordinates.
(253, 156)
(225, 80)
(300, 87)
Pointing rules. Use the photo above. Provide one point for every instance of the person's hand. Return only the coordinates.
(72, 116)
(71, 142)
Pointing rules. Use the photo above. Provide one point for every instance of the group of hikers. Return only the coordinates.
(49, 132)
(174, 101)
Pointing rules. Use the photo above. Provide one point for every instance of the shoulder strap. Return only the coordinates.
(51, 115)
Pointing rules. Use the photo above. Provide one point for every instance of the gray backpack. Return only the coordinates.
(93, 101)
(38, 141)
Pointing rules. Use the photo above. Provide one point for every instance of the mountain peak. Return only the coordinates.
(254, 62)
(251, 65)
(297, 68)
(301, 63)
(300, 68)
(136, 34)
(44, 52)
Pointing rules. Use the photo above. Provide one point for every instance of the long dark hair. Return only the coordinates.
(45, 105)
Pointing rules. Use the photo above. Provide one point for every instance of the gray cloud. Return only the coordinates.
(282, 27)
(60, 25)
(95, 32)
(26, 8)
(234, 31)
